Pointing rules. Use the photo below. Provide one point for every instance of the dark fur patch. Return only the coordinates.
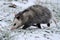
(25, 10)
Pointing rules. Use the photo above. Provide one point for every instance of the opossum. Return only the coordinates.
(35, 14)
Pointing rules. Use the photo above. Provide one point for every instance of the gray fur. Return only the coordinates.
(34, 14)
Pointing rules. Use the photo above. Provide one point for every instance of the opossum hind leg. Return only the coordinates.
(26, 26)
(38, 25)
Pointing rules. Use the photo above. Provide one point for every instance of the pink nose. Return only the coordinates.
(13, 28)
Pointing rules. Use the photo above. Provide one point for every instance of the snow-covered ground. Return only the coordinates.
(7, 15)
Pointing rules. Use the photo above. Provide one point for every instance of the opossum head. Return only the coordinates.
(20, 19)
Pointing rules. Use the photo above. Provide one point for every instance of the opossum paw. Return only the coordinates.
(48, 24)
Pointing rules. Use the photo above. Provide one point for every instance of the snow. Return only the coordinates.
(46, 33)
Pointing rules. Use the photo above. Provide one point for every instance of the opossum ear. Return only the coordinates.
(18, 16)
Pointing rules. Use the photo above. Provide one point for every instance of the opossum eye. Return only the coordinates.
(14, 24)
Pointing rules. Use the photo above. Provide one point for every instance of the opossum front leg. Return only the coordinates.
(48, 24)
(26, 26)
(38, 25)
